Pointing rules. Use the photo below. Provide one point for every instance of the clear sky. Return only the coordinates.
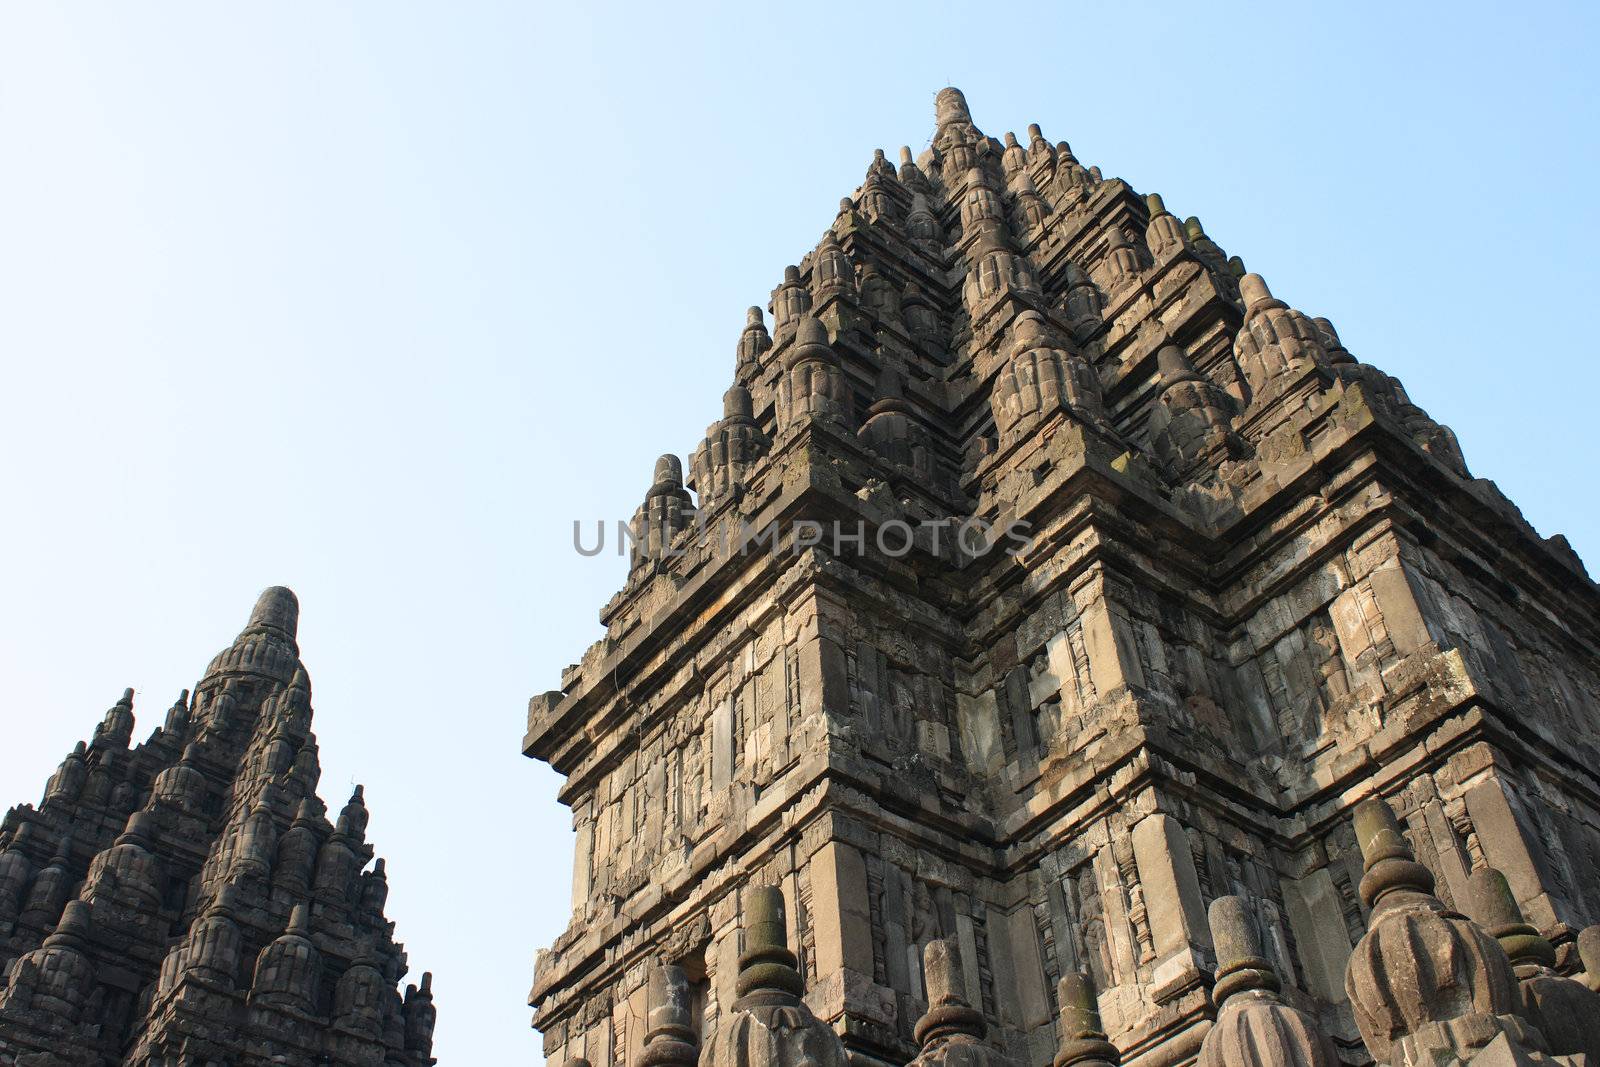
(375, 299)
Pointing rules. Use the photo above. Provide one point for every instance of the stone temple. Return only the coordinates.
(1071, 653)
(187, 903)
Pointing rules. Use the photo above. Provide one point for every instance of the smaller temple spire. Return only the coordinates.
(950, 106)
(353, 817)
(116, 729)
(1164, 235)
(420, 1015)
(288, 969)
(754, 342)
(177, 724)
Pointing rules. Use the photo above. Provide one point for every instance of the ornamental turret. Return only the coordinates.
(1425, 983)
(813, 385)
(1254, 1026)
(1564, 1010)
(951, 1032)
(731, 447)
(754, 343)
(769, 1025)
(666, 512)
(288, 969)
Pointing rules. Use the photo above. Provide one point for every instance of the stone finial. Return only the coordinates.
(769, 1025)
(1566, 1011)
(669, 1039)
(754, 342)
(420, 1016)
(116, 728)
(1174, 366)
(128, 869)
(950, 105)
(1039, 149)
(1255, 294)
(178, 716)
(832, 272)
(288, 968)
(668, 474)
(67, 781)
(61, 965)
(1164, 234)
(1497, 911)
(766, 964)
(1253, 1024)
(951, 1030)
(1338, 354)
(1014, 157)
(1277, 341)
(1041, 377)
(791, 300)
(736, 403)
(213, 946)
(353, 817)
(276, 609)
(1423, 983)
(948, 1011)
(1191, 426)
(1082, 1038)
(813, 383)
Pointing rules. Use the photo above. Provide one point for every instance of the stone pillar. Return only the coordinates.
(840, 911)
(1173, 903)
(1316, 915)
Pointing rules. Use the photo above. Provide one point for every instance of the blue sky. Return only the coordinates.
(374, 300)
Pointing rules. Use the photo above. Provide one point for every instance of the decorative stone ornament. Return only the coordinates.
(1427, 985)
(769, 1025)
(951, 1031)
(669, 1039)
(1254, 1026)
(1564, 1010)
(1082, 1039)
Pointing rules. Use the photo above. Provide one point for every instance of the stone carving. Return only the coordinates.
(1083, 1038)
(670, 1040)
(951, 1031)
(1042, 377)
(813, 384)
(769, 1025)
(1254, 1026)
(1427, 985)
